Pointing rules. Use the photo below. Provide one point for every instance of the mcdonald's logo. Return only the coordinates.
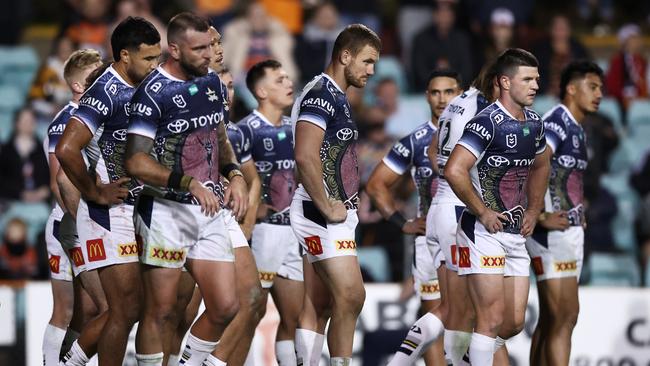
(538, 266)
(96, 251)
(463, 257)
(454, 254)
(76, 256)
(314, 246)
(55, 260)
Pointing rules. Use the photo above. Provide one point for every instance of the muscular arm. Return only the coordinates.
(457, 174)
(226, 153)
(432, 153)
(254, 192)
(68, 151)
(54, 169)
(309, 139)
(69, 193)
(140, 164)
(378, 188)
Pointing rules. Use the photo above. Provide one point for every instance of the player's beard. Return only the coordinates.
(351, 79)
(191, 70)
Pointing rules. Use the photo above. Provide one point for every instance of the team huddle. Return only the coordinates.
(163, 202)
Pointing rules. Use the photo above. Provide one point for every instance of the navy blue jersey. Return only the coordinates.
(505, 149)
(236, 138)
(57, 126)
(411, 152)
(104, 109)
(324, 104)
(271, 149)
(182, 118)
(567, 140)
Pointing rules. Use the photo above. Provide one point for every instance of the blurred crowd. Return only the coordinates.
(417, 36)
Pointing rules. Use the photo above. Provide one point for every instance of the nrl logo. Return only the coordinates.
(179, 101)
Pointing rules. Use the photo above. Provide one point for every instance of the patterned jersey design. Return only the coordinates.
(271, 149)
(182, 117)
(411, 152)
(452, 123)
(104, 109)
(505, 149)
(324, 104)
(567, 140)
(236, 138)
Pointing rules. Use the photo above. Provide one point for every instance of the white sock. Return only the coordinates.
(154, 359)
(71, 335)
(250, 358)
(52, 341)
(94, 361)
(340, 361)
(456, 344)
(213, 361)
(498, 343)
(285, 353)
(424, 332)
(75, 356)
(481, 350)
(317, 349)
(173, 360)
(196, 351)
(304, 346)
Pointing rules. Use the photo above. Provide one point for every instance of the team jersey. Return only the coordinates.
(182, 117)
(324, 104)
(271, 149)
(236, 138)
(104, 109)
(411, 152)
(452, 123)
(567, 140)
(54, 133)
(505, 149)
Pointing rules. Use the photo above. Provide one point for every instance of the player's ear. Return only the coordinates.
(261, 92)
(504, 82)
(345, 57)
(571, 89)
(124, 56)
(77, 87)
(174, 51)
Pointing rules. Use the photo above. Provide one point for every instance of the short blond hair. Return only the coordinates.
(78, 61)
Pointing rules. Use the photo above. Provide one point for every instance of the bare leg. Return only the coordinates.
(561, 296)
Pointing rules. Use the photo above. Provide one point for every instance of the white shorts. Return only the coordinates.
(70, 242)
(320, 239)
(442, 224)
(277, 252)
(424, 270)
(169, 232)
(237, 237)
(556, 254)
(60, 267)
(106, 234)
(482, 252)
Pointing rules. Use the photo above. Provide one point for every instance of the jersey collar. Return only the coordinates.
(117, 75)
(262, 117)
(168, 75)
(568, 112)
(73, 104)
(501, 107)
(333, 82)
(433, 127)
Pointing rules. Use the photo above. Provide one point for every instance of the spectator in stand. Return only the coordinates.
(18, 259)
(314, 46)
(256, 37)
(288, 12)
(626, 78)
(412, 17)
(88, 25)
(138, 8)
(25, 174)
(49, 92)
(441, 46)
(640, 181)
(555, 52)
(220, 12)
(499, 38)
(364, 12)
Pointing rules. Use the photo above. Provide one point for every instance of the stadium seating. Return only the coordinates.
(611, 109)
(544, 103)
(606, 269)
(627, 202)
(34, 214)
(375, 261)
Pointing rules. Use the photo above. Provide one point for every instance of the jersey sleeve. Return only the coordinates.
(541, 140)
(95, 107)
(400, 156)
(145, 113)
(54, 133)
(236, 139)
(247, 141)
(317, 107)
(477, 135)
(555, 132)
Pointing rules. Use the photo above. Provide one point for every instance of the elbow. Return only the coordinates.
(373, 188)
(61, 151)
(131, 165)
(452, 173)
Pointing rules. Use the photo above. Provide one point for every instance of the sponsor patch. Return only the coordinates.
(127, 249)
(76, 256)
(267, 276)
(567, 266)
(55, 261)
(96, 251)
(345, 244)
(463, 257)
(313, 244)
(493, 261)
(538, 266)
(170, 255)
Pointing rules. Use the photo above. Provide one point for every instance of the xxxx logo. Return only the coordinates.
(433, 288)
(493, 262)
(345, 244)
(267, 276)
(76, 256)
(128, 249)
(313, 244)
(167, 255)
(463, 257)
(565, 266)
(54, 261)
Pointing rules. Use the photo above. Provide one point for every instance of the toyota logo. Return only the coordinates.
(425, 172)
(178, 126)
(263, 166)
(344, 134)
(497, 161)
(567, 161)
(120, 135)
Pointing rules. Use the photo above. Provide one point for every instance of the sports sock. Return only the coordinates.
(213, 361)
(481, 350)
(52, 341)
(456, 344)
(340, 361)
(173, 360)
(196, 351)
(285, 353)
(154, 359)
(75, 356)
(498, 343)
(317, 349)
(424, 332)
(71, 335)
(304, 346)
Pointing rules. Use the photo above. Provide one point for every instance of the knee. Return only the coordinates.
(223, 312)
(490, 318)
(565, 317)
(351, 301)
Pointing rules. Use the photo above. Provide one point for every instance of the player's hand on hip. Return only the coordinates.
(112, 193)
(492, 220)
(558, 220)
(236, 196)
(415, 226)
(337, 212)
(528, 225)
(207, 199)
